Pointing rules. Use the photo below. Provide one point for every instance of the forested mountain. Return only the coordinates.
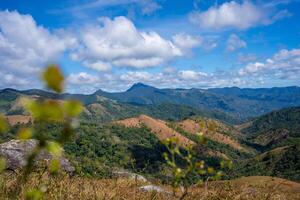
(277, 136)
(240, 103)
(232, 105)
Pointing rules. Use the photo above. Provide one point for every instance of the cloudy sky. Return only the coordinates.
(111, 44)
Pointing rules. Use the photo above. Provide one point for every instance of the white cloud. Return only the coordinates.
(82, 78)
(118, 42)
(191, 75)
(234, 43)
(236, 15)
(185, 41)
(285, 64)
(26, 47)
(98, 66)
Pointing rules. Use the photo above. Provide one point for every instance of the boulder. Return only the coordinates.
(152, 188)
(129, 175)
(16, 152)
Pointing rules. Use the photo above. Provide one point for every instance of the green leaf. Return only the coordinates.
(25, 134)
(54, 166)
(72, 108)
(34, 195)
(3, 124)
(52, 111)
(54, 78)
(2, 164)
(54, 148)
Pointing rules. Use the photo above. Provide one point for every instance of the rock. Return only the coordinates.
(129, 175)
(152, 188)
(16, 152)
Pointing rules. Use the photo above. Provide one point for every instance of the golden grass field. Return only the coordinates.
(65, 187)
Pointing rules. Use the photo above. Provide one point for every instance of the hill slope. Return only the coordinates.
(277, 128)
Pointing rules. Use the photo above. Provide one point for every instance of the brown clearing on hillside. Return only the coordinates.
(271, 137)
(162, 131)
(18, 119)
(243, 126)
(159, 127)
(192, 126)
(65, 187)
(278, 150)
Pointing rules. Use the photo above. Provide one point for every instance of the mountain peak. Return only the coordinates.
(140, 86)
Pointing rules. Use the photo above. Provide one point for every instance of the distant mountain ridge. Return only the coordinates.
(237, 103)
(241, 103)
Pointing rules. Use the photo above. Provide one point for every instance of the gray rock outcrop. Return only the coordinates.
(16, 152)
(129, 175)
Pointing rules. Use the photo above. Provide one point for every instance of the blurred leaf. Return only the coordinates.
(34, 195)
(54, 148)
(54, 78)
(33, 107)
(52, 110)
(49, 110)
(3, 124)
(2, 164)
(54, 166)
(73, 108)
(210, 170)
(25, 134)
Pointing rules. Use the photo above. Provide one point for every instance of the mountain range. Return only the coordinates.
(231, 104)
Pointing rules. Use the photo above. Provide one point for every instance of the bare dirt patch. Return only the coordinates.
(193, 127)
(18, 119)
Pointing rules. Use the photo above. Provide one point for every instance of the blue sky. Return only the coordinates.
(111, 44)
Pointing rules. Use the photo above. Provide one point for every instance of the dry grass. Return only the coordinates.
(64, 187)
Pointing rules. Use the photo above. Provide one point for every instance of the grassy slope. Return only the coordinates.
(64, 187)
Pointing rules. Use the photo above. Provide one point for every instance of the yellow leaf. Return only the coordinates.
(73, 108)
(54, 78)
(25, 134)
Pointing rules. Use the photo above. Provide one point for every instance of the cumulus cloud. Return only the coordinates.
(191, 75)
(118, 42)
(25, 47)
(236, 15)
(82, 78)
(234, 43)
(285, 64)
(185, 41)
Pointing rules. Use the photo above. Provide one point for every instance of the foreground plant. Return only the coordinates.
(185, 167)
(45, 112)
